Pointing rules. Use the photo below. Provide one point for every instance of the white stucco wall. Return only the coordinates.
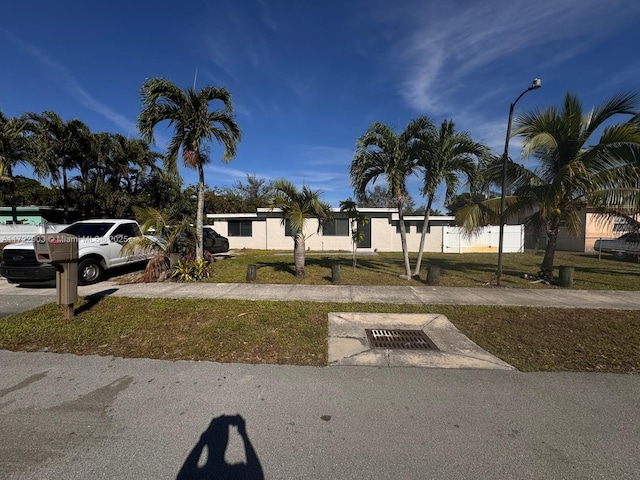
(268, 232)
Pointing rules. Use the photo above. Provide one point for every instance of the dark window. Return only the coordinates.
(287, 229)
(407, 226)
(123, 233)
(419, 227)
(240, 228)
(88, 229)
(338, 227)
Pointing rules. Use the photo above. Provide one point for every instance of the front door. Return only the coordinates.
(366, 241)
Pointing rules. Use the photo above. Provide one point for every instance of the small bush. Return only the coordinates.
(192, 270)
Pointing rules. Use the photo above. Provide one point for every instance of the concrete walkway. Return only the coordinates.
(551, 297)
(622, 300)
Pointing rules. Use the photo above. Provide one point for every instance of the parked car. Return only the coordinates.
(626, 246)
(213, 242)
(99, 248)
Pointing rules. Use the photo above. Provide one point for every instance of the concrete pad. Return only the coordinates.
(348, 343)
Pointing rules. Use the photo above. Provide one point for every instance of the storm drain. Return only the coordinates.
(399, 339)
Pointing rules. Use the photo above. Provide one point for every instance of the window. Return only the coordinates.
(240, 228)
(287, 228)
(338, 227)
(419, 227)
(407, 226)
(124, 232)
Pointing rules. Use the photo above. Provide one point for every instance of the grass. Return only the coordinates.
(457, 270)
(531, 339)
(295, 332)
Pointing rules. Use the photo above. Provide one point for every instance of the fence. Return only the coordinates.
(455, 240)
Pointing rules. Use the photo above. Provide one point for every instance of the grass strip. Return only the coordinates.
(295, 332)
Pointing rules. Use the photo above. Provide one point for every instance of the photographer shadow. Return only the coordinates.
(213, 445)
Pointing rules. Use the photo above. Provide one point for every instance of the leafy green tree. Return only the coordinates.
(195, 127)
(380, 152)
(448, 155)
(458, 202)
(298, 206)
(584, 160)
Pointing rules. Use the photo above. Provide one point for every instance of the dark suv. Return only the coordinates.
(213, 242)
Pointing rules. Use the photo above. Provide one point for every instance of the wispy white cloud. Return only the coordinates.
(447, 43)
(63, 77)
(322, 156)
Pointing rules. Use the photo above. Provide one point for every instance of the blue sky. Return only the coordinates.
(309, 77)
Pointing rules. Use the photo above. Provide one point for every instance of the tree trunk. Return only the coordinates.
(546, 270)
(200, 213)
(403, 239)
(425, 226)
(298, 255)
(65, 194)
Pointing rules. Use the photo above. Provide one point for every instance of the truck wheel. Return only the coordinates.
(225, 246)
(619, 255)
(89, 271)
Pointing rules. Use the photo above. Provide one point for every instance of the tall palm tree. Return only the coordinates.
(357, 219)
(61, 146)
(298, 206)
(14, 149)
(195, 126)
(448, 155)
(382, 153)
(574, 169)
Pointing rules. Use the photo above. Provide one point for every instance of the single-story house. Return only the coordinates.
(265, 229)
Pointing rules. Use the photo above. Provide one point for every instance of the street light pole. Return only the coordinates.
(505, 158)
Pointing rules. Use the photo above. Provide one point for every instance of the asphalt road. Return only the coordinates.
(70, 417)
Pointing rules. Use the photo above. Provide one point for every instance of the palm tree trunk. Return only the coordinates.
(298, 255)
(425, 226)
(546, 269)
(403, 240)
(200, 213)
(65, 194)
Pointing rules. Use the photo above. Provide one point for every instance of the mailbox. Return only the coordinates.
(56, 248)
(61, 250)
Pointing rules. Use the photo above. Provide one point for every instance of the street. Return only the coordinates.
(71, 417)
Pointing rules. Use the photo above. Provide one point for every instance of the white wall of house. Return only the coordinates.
(268, 232)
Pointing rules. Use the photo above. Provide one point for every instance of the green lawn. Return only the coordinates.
(295, 332)
(457, 270)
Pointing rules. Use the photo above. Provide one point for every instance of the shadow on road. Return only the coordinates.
(206, 461)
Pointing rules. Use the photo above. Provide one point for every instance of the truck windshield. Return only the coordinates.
(88, 229)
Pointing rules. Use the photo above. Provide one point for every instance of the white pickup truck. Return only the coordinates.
(99, 248)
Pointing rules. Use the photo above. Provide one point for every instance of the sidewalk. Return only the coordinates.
(598, 299)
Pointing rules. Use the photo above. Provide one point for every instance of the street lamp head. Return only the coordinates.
(537, 83)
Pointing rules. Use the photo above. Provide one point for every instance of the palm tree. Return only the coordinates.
(167, 235)
(298, 206)
(575, 170)
(358, 219)
(449, 154)
(14, 149)
(382, 153)
(61, 146)
(195, 125)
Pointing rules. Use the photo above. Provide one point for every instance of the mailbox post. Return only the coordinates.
(61, 250)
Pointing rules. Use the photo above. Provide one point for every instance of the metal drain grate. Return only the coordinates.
(399, 339)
